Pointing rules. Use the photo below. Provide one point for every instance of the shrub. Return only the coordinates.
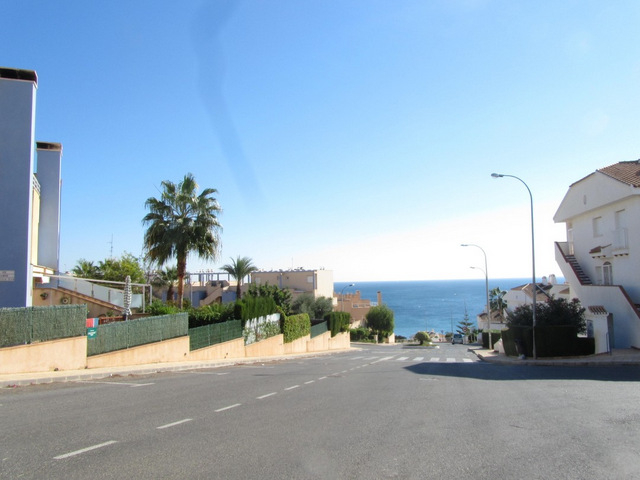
(338, 322)
(158, 308)
(296, 326)
(360, 334)
(422, 337)
(554, 312)
(380, 320)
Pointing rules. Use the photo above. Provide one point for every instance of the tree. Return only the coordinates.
(422, 337)
(180, 222)
(281, 296)
(167, 277)
(466, 327)
(117, 269)
(497, 303)
(380, 320)
(240, 268)
(86, 269)
(553, 312)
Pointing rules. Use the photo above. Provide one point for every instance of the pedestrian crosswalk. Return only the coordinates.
(394, 358)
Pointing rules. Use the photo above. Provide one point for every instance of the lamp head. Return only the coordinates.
(464, 244)
(497, 175)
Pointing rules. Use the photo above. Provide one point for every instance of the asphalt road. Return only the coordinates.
(381, 412)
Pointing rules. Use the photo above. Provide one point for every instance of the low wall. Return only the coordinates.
(266, 348)
(173, 350)
(297, 346)
(319, 343)
(340, 341)
(62, 354)
(231, 349)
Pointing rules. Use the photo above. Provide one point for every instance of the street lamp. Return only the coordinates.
(342, 296)
(533, 260)
(486, 286)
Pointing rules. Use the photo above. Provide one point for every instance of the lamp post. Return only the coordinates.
(533, 261)
(486, 287)
(342, 296)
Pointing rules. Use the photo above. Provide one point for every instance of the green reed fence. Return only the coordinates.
(21, 326)
(122, 335)
(319, 329)
(207, 335)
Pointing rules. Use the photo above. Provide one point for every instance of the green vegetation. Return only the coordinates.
(180, 222)
(497, 303)
(239, 269)
(422, 337)
(296, 326)
(111, 269)
(338, 322)
(554, 312)
(167, 277)
(281, 296)
(380, 320)
(466, 327)
(317, 308)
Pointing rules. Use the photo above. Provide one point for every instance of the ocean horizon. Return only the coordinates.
(437, 305)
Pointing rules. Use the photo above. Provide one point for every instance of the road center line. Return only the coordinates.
(322, 378)
(267, 395)
(227, 408)
(291, 388)
(84, 450)
(309, 382)
(174, 423)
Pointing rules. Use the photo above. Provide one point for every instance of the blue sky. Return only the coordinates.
(356, 136)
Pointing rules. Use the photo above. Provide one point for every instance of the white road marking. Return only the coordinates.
(228, 408)
(174, 423)
(322, 378)
(309, 382)
(84, 450)
(467, 360)
(383, 359)
(206, 373)
(123, 384)
(450, 360)
(266, 395)
(401, 359)
(434, 359)
(291, 388)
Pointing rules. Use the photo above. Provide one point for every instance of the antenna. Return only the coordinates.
(111, 249)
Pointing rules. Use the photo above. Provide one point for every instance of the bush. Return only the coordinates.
(249, 308)
(296, 326)
(422, 337)
(338, 322)
(360, 334)
(380, 320)
(554, 312)
(158, 308)
(208, 314)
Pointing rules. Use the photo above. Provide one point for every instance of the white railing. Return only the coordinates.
(114, 296)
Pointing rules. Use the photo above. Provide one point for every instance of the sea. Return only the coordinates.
(430, 305)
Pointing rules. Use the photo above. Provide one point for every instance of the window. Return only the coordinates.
(607, 274)
(597, 227)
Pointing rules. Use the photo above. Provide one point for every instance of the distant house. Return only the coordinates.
(600, 259)
(357, 306)
(319, 283)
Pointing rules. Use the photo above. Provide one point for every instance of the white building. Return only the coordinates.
(599, 259)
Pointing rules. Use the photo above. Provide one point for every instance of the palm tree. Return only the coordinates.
(167, 277)
(497, 302)
(86, 269)
(239, 269)
(181, 222)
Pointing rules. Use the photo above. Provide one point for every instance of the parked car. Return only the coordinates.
(457, 338)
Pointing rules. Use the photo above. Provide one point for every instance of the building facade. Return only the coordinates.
(30, 233)
(600, 258)
(319, 283)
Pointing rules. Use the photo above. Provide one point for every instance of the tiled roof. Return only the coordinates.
(627, 172)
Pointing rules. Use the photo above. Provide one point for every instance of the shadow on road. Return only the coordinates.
(527, 372)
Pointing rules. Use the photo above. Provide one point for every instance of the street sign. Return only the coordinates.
(92, 332)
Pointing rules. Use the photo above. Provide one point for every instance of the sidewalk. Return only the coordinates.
(22, 379)
(627, 356)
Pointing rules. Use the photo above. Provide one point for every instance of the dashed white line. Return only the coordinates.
(418, 359)
(228, 408)
(383, 359)
(309, 382)
(434, 359)
(174, 423)
(84, 450)
(266, 395)
(291, 388)
(451, 360)
(401, 359)
(322, 378)
(467, 360)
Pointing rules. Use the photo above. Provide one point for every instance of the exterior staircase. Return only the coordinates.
(583, 278)
(87, 299)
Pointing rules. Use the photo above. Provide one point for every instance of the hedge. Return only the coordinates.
(338, 322)
(296, 326)
(551, 341)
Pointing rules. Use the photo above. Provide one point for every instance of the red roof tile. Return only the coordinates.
(627, 172)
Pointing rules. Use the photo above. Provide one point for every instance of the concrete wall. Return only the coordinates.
(297, 346)
(340, 341)
(266, 348)
(226, 350)
(174, 350)
(63, 354)
(319, 343)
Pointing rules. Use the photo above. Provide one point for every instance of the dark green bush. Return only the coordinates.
(551, 341)
(338, 322)
(254, 307)
(422, 337)
(361, 334)
(158, 308)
